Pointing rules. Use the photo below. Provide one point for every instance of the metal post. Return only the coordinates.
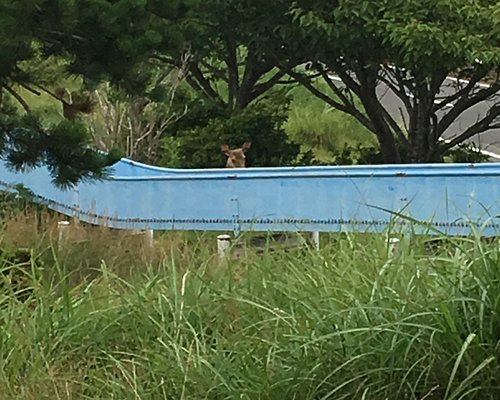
(393, 247)
(76, 204)
(223, 246)
(315, 239)
(62, 232)
(150, 235)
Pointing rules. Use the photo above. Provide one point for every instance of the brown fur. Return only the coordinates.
(236, 157)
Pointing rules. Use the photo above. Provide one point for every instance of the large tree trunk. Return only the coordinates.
(423, 146)
(374, 111)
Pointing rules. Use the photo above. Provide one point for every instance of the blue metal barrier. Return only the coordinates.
(450, 198)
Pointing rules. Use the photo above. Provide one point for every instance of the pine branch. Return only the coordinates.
(21, 101)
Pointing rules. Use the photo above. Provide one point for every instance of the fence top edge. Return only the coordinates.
(357, 171)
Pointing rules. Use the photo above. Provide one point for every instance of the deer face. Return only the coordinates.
(235, 157)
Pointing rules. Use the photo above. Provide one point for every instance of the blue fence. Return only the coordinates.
(451, 198)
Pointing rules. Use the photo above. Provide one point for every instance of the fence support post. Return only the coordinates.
(315, 239)
(62, 232)
(223, 246)
(393, 247)
(150, 235)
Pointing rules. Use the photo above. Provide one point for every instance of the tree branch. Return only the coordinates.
(166, 59)
(400, 92)
(346, 78)
(394, 125)
(21, 101)
(49, 92)
(463, 104)
(30, 89)
(337, 90)
(349, 109)
(460, 93)
(480, 126)
(232, 70)
(216, 72)
(205, 85)
(373, 75)
(264, 86)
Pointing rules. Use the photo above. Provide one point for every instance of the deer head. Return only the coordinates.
(235, 157)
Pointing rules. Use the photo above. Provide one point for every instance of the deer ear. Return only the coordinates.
(245, 146)
(225, 149)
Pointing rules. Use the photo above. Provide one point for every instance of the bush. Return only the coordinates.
(195, 140)
(371, 155)
(465, 153)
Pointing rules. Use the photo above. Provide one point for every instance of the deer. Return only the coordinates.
(235, 157)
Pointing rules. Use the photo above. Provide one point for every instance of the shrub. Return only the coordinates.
(195, 141)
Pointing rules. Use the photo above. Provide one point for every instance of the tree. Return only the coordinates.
(25, 141)
(410, 47)
(228, 46)
(232, 58)
(63, 148)
(217, 45)
(117, 41)
(195, 140)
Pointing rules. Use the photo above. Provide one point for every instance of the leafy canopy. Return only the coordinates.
(408, 48)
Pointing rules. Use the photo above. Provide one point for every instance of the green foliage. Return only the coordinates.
(29, 33)
(16, 25)
(371, 155)
(233, 55)
(446, 36)
(198, 136)
(466, 153)
(410, 46)
(62, 147)
(114, 40)
(234, 58)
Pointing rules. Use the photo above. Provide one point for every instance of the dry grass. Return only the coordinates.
(87, 247)
(105, 319)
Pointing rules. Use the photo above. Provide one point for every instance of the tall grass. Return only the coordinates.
(347, 322)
